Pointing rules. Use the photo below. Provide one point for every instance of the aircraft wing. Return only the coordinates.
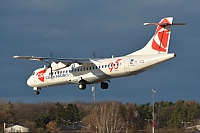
(66, 61)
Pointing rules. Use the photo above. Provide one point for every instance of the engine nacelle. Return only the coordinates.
(57, 66)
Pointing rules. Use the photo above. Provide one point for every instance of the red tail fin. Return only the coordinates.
(159, 43)
(162, 35)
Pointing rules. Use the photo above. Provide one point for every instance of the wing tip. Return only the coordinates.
(15, 57)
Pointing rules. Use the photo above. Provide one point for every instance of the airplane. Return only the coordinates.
(83, 71)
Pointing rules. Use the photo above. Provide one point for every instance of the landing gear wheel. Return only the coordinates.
(82, 86)
(104, 85)
(37, 92)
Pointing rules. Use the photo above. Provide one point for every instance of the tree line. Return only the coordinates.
(101, 117)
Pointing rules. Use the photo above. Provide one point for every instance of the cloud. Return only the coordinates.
(55, 33)
(79, 28)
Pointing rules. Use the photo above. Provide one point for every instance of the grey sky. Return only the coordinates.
(77, 28)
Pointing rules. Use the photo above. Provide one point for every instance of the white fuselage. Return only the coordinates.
(84, 71)
(99, 70)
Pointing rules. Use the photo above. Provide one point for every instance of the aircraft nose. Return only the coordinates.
(30, 81)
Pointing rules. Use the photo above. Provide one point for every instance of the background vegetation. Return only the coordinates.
(106, 116)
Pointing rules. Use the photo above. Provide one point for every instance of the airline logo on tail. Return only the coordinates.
(159, 43)
(161, 37)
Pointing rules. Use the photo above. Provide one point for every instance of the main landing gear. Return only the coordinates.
(82, 85)
(104, 85)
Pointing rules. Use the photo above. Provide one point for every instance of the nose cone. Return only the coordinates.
(30, 81)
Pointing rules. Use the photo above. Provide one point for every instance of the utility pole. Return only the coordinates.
(4, 127)
(153, 113)
(93, 94)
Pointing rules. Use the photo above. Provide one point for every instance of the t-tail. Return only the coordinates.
(159, 43)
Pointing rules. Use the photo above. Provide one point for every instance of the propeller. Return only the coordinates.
(51, 55)
(94, 55)
(51, 70)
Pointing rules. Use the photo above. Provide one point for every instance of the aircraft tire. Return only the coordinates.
(37, 92)
(104, 85)
(82, 86)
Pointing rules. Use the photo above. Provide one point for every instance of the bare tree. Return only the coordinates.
(105, 117)
(3, 101)
(53, 127)
(131, 117)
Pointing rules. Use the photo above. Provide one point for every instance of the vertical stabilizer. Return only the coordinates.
(159, 43)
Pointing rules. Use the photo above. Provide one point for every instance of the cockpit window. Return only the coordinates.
(33, 73)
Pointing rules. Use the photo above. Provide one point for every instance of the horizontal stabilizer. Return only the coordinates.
(163, 24)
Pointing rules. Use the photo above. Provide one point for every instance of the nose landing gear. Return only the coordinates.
(36, 89)
(37, 92)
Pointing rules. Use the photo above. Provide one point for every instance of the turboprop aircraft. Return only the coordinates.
(83, 71)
